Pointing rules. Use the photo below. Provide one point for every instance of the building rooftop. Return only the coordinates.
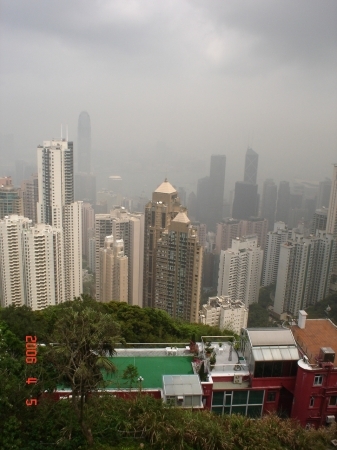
(166, 188)
(270, 337)
(182, 218)
(182, 385)
(151, 368)
(316, 334)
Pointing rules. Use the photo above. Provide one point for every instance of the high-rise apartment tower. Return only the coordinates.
(56, 207)
(240, 270)
(178, 270)
(159, 213)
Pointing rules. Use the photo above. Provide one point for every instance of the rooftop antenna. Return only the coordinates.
(61, 132)
(67, 132)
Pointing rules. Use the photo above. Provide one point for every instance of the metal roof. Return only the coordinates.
(181, 385)
(276, 353)
(270, 337)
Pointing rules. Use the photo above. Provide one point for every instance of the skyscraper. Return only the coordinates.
(283, 202)
(10, 201)
(210, 193)
(56, 207)
(103, 228)
(240, 270)
(31, 260)
(203, 197)
(304, 271)
(324, 191)
(128, 227)
(319, 220)
(84, 142)
(114, 271)
(30, 197)
(12, 257)
(268, 204)
(246, 200)
(230, 229)
(331, 226)
(251, 163)
(272, 253)
(159, 212)
(216, 190)
(178, 270)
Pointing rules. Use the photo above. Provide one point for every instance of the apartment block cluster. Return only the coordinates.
(281, 240)
(41, 256)
(163, 255)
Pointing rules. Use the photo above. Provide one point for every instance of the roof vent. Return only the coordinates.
(326, 354)
(302, 317)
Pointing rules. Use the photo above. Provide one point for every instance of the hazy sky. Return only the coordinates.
(201, 77)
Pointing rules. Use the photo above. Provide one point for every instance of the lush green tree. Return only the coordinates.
(82, 339)
(130, 374)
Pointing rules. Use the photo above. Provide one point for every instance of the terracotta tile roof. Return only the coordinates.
(316, 334)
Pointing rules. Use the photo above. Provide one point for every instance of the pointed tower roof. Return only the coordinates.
(165, 188)
(181, 217)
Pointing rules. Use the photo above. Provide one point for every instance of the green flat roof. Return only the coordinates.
(151, 368)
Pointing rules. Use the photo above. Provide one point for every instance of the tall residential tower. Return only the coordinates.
(159, 212)
(56, 206)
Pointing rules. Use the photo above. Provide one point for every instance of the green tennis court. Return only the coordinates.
(150, 368)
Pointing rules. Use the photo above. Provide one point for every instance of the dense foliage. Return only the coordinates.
(327, 308)
(258, 312)
(146, 423)
(84, 331)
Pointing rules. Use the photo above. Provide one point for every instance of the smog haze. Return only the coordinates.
(168, 84)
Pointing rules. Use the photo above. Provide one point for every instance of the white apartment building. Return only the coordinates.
(43, 266)
(88, 226)
(331, 224)
(103, 228)
(272, 252)
(31, 263)
(113, 271)
(240, 270)
(130, 227)
(224, 313)
(73, 250)
(122, 224)
(12, 260)
(304, 271)
(56, 207)
(92, 251)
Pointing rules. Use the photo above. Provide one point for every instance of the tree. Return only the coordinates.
(83, 339)
(130, 374)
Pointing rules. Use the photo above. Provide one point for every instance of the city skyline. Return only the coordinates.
(257, 73)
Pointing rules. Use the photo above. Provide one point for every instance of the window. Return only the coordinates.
(271, 396)
(333, 400)
(318, 380)
(312, 402)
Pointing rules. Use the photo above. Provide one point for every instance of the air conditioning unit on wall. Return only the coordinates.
(330, 419)
(237, 379)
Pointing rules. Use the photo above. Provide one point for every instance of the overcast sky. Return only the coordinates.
(201, 77)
